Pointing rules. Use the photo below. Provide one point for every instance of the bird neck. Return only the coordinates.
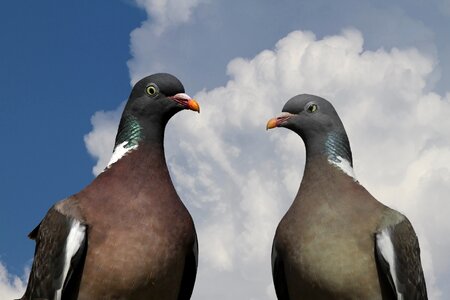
(132, 134)
(335, 147)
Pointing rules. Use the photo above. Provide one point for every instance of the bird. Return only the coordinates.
(126, 235)
(336, 241)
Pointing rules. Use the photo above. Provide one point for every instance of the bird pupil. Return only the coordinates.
(151, 90)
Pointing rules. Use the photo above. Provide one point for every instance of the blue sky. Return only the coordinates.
(66, 69)
(50, 89)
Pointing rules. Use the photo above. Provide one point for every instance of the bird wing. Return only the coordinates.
(60, 247)
(189, 273)
(398, 258)
(279, 278)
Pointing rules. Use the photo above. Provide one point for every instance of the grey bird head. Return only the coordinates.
(159, 94)
(309, 116)
(152, 102)
(318, 124)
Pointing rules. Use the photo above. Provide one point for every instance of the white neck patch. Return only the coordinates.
(344, 165)
(119, 152)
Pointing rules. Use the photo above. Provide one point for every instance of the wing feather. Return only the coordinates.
(398, 257)
(60, 243)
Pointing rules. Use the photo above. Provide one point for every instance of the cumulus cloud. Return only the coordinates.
(100, 141)
(238, 180)
(162, 15)
(165, 13)
(11, 286)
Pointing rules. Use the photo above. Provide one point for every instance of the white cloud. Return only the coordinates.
(165, 13)
(162, 15)
(11, 286)
(100, 141)
(238, 180)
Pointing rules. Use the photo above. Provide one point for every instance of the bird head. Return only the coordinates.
(152, 102)
(318, 124)
(158, 96)
(309, 116)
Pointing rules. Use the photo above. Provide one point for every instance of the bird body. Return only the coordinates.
(155, 228)
(329, 251)
(337, 241)
(127, 235)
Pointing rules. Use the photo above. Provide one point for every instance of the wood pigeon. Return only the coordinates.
(337, 241)
(127, 235)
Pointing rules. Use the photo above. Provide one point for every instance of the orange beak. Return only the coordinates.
(186, 101)
(271, 124)
(276, 122)
(193, 105)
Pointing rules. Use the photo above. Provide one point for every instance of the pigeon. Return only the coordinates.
(337, 241)
(126, 235)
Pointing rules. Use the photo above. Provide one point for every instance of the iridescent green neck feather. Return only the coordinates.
(337, 147)
(129, 131)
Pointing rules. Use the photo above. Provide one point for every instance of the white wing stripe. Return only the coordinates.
(386, 247)
(73, 243)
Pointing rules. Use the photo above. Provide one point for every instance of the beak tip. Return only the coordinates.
(193, 105)
(272, 123)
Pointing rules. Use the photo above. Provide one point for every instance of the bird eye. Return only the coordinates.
(151, 90)
(312, 108)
